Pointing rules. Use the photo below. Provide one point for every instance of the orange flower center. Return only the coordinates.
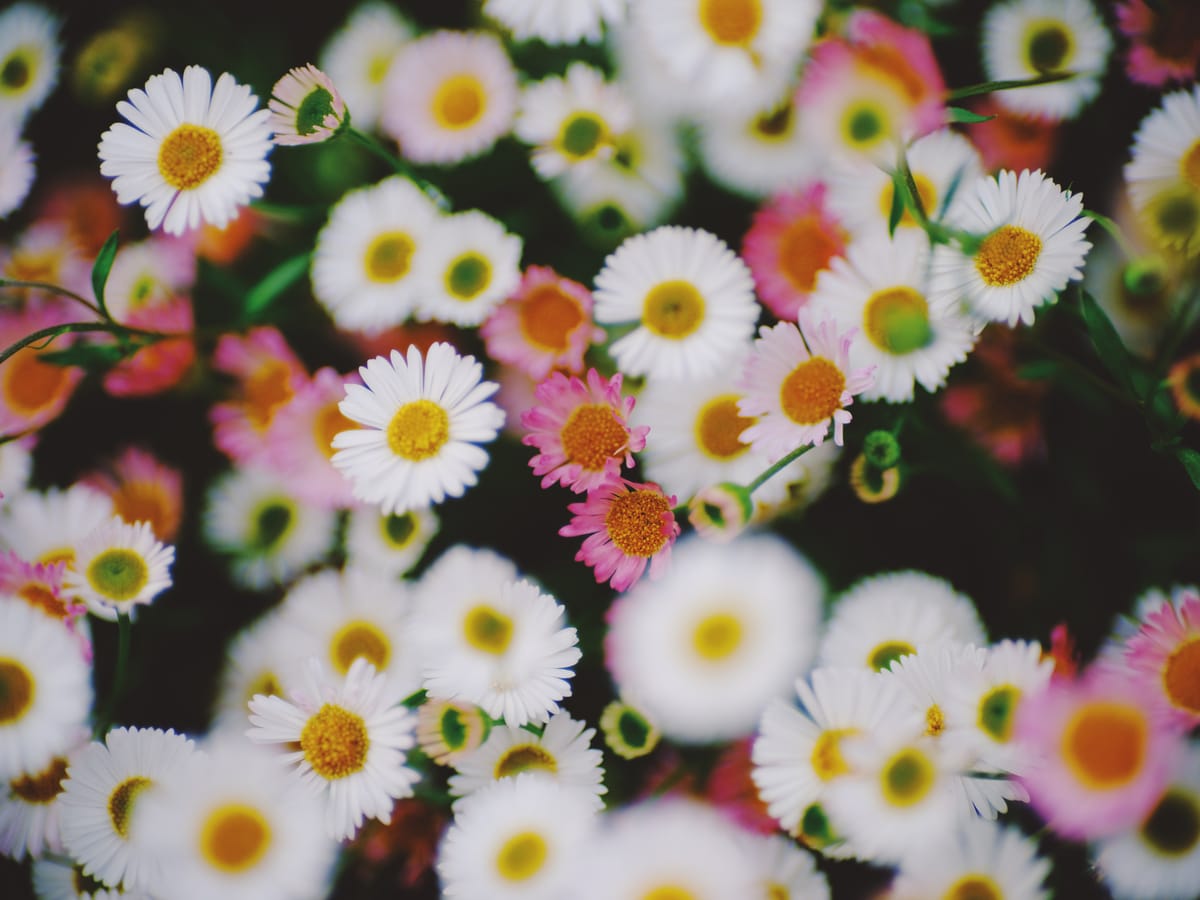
(146, 501)
(1189, 166)
(31, 385)
(43, 787)
(235, 837)
(189, 156)
(593, 435)
(265, 390)
(731, 23)
(718, 428)
(418, 430)
(1181, 676)
(335, 742)
(43, 598)
(805, 248)
(635, 522)
(525, 758)
(548, 316)
(812, 392)
(329, 422)
(459, 102)
(1104, 744)
(1007, 256)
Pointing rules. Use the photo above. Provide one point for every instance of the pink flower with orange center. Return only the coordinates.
(1164, 655)
(142, 490)
(1164, 41)
(1009, 140)
(39, 585)
(161, 365)
(32, 391)
(581, 431)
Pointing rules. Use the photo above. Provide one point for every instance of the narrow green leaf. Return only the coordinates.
(89, 357)
(1106, 340)
(965, 116)
(899, 189)
(278, 280)
(1191, 464)
(104, 263)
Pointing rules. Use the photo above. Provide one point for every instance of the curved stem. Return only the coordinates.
(398, 165)
(777, 467)
(54, 331)
(54, 289)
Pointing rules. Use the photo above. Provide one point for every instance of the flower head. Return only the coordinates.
(305, 107)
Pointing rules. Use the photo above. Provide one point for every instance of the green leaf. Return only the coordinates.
(1191, 464)
(90, 357)
(278, 280)
(899, 189)
(965, 116)
(1106, 340)
(104, 263)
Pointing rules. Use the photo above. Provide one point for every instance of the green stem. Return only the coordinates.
(124, 639)
(989, 87)
(938, 233)
(398, 165)
(777, 467)
(54, 331)
(54, 289)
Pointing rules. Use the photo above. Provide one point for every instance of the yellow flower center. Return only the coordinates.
(1007, 256)
(896, 320)
(522, 856)
(935, 721)
(827, 759)
(812, 392)
(775, 125)
(548, 316)
(673, 309)
(1189, 165)
(355, 639)
(1048, 45)
(189, 156)
(118, 574)
(235, 837)
(525, 758)
(805, 249)
(635, 522)
(1104, 744)
(121, 800)
(974, 887)
(882, 657)
(717, 637)
(1181, 676)
(16, 690)
(907, 777)
(459, 102)
(488, 629)
(327, 423)
(731, 23)
(389, 257)
(592, 436)
(42, 787)
(864, 124)
(418, 430)
(31, 385)
(267, 684)
(997, 709)
(57, 555)
(718, 427)
(669, 892)
(335, 742)
(925, 190)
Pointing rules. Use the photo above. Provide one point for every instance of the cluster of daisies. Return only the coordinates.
(684, 391)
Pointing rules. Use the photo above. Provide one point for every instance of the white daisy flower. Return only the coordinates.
(425, 419)
(690, 295)
(1159, 857)
(979, 858)
(269, 532)
(504, 647)
(1034, 246)
(367, 266)
(981, 705)
(147, 274)
(353, 614)
(306, 107)
(57, 878)
(727, 629)
(106, 784)
(192, 153)
(119, 566)
(45, 689)
(28, 58)
(880, 287)
(788, 872)
(757, 151)
(17, 169)
(720, 48)
(449, 96)
(518, 839)
(259, 660)
(885, 617)
(555, 22)
(572, 120)
(16, 465)
(1023, 39)
(351, 735)
(1163, 174)
(563, 753)
(359, 55)
(473, 264)
(390, 544)
(29, 807)
(48, 527)
(668, 848)
(231, 824)
(798, 752)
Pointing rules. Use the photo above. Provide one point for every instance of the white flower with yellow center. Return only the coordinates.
(556, 22)
(424, 419)
(17, 169)
(106, 784)
(47, 527)
(367, 266)
(720, 48)
(193, 152)
(119, 566)
(885, 617)
(449, 95)
(880, 288)
(563, 752)
(519, 839)
(727, 629)
(57, 878)
(788, 871)
(28, 59)
(1163, 174)
(359, 55)
(29, 808)
(1024, 39)
(260, 659)
(351, 733)
(473, 264)
(572, 120)
(231, 824)
(980, 860)
(45, 689)
(353, 614)
(390, 544)
(1032, 246)
(691, 297)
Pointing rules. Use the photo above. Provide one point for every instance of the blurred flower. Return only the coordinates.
(1163, 175)
(1164, 655)
(30, 813)
(33, 392)
(305, 107)
(142, 490)
(1009, 140)
(391, 544)
(627, 731)
(472, 264)
(358, 56)
(110, 58)
(17, 169)
(1164, 41)
(447, 730)
(553, 22)
(29, 57)
(48, 527)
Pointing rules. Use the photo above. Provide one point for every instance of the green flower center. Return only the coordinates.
(311, 113)
(118, 574)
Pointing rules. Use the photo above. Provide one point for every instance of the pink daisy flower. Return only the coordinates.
(628, 526)
(268, 375)
(1164, 655)
(159, 366)
(33, 392)
(545, 325)
(41, 586)
(1099, 754)
(581, 431)
(1011, 141)
(793, 238)
(142, 490)
(1164, 43)
(798, 386)
(46, 252)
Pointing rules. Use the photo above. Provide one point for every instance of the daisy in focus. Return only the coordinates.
(192, 152)
(425, 418)
(305, 107)
(1034, 246)
(351, 735)
(798, 385)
